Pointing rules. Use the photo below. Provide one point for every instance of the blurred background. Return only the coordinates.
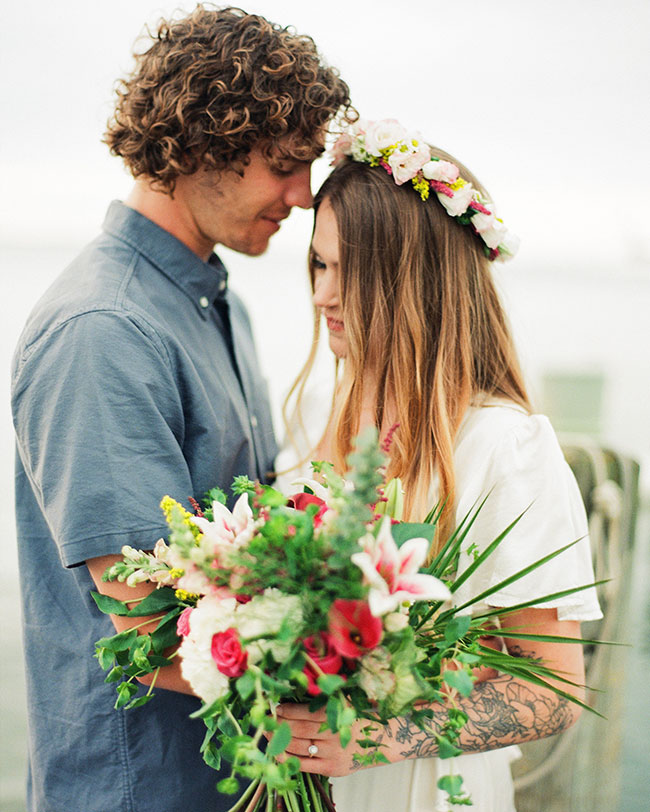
(546, 103)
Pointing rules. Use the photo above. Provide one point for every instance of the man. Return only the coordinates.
(136, 376)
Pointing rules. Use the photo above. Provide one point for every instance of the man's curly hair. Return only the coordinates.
(217, 83)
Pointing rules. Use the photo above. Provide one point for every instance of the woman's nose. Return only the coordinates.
(326, 289)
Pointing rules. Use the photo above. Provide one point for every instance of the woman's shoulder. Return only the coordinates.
(495, 423)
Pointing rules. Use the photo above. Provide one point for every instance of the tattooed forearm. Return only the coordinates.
(502, 711)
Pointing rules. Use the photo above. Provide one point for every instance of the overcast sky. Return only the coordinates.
(546, 102)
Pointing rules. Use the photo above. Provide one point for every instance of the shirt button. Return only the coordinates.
(253, 421)
(204, 301)
(222, 285)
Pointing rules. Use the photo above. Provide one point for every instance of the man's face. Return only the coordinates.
(241, 213)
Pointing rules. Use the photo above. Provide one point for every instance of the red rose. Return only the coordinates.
(228, 654)
(354, 630)
(322, 652)
(300, 501)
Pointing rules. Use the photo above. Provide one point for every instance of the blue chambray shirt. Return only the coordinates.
(123, 390)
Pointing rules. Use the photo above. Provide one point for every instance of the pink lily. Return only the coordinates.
(392, 571)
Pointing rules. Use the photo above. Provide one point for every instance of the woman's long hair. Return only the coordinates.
(422, 313)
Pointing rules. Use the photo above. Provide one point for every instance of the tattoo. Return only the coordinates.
(501, 711)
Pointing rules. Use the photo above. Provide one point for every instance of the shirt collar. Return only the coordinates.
(202, 282)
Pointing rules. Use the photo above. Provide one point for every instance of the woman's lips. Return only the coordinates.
(334, 325)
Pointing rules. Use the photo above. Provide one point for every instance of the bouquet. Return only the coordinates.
(325, 598)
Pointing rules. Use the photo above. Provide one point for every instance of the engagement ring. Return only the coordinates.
(312, 750)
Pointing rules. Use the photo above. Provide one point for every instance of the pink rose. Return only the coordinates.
(406, 165)
(324, 654)
(183, 622)
(353, 628)
(441, 170)
(228, 654)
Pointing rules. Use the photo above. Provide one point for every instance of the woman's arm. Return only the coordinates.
(502, 710)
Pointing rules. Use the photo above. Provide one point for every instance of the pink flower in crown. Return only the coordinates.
(444, 171)
(407, 163)
(484, 222)
(383, 134)
(342, 148)
(393, 572)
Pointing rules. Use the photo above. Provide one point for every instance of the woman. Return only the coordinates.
(400, 269)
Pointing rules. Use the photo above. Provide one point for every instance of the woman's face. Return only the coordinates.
(325, 264)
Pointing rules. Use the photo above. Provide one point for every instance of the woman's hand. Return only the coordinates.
(330, 759)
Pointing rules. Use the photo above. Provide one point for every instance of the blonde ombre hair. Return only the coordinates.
(422, 313)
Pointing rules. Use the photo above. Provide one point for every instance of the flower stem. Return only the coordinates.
(250, 789)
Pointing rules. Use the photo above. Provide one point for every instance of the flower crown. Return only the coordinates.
(406, 156)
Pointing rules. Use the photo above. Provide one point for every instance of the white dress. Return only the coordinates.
(516, 458)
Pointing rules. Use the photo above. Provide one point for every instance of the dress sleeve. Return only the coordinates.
(524, 472)
(99, 424)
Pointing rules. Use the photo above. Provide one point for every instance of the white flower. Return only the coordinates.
(396, 621)
(508, 246)
(392, 572)
(263, 617)
(383, 134)
(483, 222)
(226, 529)
(407, 163)
(200, 670)
(444, 171)
(459, 202)
(210, 616)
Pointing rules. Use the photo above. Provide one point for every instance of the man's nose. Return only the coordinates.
(299, 189)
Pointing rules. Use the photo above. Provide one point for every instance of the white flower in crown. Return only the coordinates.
(443, 171)
(384, 134)
(508, 246)
(406, 163)
(493, 236)
(483, 222)
(459, 203)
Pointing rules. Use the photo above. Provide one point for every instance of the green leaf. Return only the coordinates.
(139, 701)
(451, 784)
(447, 750)
(410, 530)
(115, 674)
(457, 628)
(105, 656)
(108, 605)
(228, 786)
(226, 725)
(245, 685)
(125, 691)
(212, 755)
(157, 601)
(332, 711)
(328, 683)
(460, 680)
(280, 740)
(118, 642)
(345, 735)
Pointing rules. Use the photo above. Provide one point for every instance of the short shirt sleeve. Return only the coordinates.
(100, 428)
(515, 461)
